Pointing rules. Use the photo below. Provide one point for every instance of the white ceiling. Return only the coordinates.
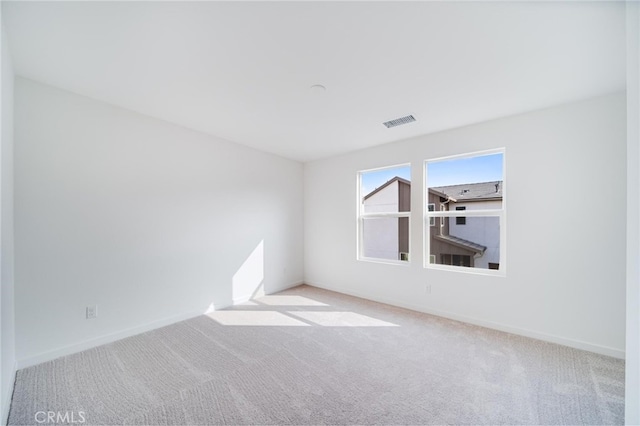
(243, 71)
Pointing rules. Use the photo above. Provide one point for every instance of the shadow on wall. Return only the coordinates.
(246, 283)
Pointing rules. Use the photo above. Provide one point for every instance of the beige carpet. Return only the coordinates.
(309, 356)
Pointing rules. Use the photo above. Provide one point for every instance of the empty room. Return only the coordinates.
(303, 213)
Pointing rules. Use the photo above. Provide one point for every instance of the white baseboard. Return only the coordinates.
(108, 338)
(246, 298)
(573, 343)
(239, 300)
(112, 337)
(6, 406)
(285, 287)
(104, 339)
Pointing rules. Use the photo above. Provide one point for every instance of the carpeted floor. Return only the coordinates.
(309, 356)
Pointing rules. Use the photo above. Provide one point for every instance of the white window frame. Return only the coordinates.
(362, 216)
(500, 213)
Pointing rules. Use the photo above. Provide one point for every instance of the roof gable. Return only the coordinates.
(387, 183)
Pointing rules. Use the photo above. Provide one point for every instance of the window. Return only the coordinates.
(456, 259)
(432, 207)
(470, 190)
(461, 220)
(384, 209)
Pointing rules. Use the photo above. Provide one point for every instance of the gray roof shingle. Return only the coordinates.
(473, 191)
(456, 241)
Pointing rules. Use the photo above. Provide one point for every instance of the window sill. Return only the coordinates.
(467, 270)
(384, 261)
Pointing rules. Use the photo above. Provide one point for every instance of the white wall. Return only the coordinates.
(632, 371)
(574, 292)
(150, 221)
(7, 340)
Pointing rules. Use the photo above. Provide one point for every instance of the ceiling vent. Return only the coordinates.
(399, 121)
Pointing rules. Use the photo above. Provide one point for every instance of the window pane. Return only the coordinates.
(386, 238)
(476, 244)
(473, 183)
(386, 190)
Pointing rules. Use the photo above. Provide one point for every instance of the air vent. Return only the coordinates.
(399, 121)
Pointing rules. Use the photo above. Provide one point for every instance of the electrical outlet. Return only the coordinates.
(427, 288)
(92, 311)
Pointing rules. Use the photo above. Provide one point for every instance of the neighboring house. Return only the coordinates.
(466, 241)
(461, 241)
(387, 238)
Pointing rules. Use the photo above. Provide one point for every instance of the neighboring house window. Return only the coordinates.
(432, 207)
(456, 259)
(470, 191)
(461, 220)
(384, 197)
